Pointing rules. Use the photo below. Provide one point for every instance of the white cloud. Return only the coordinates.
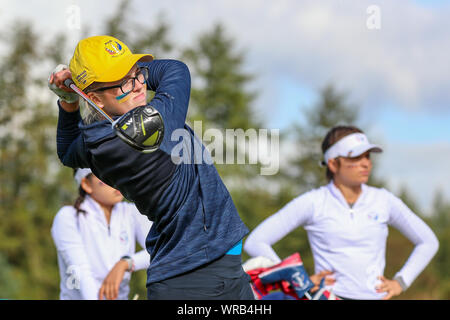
(404, 62)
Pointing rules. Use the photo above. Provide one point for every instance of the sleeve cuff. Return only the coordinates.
(130, 262)
(141, 260)
(75, 113)
(402, 283)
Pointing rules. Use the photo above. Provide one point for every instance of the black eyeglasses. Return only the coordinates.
(128, 84)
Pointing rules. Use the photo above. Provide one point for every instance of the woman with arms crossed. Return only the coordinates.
(347, 224)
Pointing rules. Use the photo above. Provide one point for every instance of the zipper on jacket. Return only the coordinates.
(204, 217)
(201, 198)
(200, 193)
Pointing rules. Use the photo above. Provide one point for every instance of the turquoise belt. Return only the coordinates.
(236, 250)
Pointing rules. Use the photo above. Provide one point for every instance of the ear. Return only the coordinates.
(96, 99)
(86, 185)
(333, 165)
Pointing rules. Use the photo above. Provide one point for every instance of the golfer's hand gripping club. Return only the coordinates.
(66, 96)
(142, 127)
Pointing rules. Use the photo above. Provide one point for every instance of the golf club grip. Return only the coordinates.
(68, 82)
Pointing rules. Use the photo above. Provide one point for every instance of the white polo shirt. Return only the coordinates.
(88, 248)
(351, 242)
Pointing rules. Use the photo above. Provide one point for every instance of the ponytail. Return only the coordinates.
(79, 200)
(81, 196)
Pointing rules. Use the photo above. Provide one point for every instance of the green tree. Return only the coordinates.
(440, 223)
(332, 109)
(219, 94)
(7, 282)
(31, 180)
(220, 98)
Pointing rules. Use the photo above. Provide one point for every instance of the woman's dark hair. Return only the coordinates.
(334, 135)
(81, 196)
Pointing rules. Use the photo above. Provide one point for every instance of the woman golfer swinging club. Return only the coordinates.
(195, 241)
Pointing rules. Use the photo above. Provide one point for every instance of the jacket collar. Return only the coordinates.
(93, 208)
(96, 132)
(337, 194)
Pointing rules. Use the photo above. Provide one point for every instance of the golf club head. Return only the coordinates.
(142, 128)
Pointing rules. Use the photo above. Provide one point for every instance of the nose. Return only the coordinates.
(137, 85)
(365, 161)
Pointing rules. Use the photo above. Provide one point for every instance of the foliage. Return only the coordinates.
(33, 184)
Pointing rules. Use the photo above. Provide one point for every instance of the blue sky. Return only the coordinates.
(416, 126)
(397, 74)
(401, 125)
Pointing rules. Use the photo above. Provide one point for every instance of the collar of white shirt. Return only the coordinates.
(340, 197)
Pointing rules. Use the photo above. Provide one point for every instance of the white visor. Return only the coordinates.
(350, 146)
(81, 173)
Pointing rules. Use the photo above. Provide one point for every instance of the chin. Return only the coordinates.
(364, 180)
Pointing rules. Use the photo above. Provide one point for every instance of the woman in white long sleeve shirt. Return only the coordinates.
(347, 224)
(95, 241)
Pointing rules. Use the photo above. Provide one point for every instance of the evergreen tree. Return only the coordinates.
(31, 179)
(220, 99)
(440, 223)
(331, 110)
(219, 94)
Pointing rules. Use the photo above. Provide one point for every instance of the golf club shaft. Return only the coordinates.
(69, 84)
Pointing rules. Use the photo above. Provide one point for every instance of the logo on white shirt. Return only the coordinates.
(372, 216)
(123, 238)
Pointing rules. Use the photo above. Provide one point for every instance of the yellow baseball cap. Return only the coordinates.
(102, 59)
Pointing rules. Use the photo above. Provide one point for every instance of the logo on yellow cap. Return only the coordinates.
(113, 48)
(81, 78)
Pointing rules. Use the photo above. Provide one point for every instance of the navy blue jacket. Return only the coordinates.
(194, 218)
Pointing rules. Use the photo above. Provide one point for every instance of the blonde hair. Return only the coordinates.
(88, 113)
